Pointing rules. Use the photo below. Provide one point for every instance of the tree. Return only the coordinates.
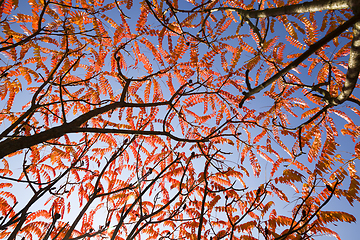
(149, 118)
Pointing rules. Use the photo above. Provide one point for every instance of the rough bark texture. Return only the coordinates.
(305, 7)
(354, 62)
(352, 74)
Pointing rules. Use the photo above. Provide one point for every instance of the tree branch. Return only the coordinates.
(352, 74)
(306, 7)
(312, 49)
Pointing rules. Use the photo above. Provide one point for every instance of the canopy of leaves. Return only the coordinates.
(157, 119)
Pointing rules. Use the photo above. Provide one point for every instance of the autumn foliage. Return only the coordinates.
(174, 119)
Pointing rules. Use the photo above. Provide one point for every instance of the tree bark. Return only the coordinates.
(306, 7)
(354, 61)
(352, 74)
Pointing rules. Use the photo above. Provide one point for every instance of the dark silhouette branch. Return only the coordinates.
(312, 49)
(33, 35)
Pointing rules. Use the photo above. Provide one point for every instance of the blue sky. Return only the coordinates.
(346, 231)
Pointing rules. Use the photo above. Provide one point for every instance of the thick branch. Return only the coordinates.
(312, 49)
(352, 74)
(306, 7)
(12, 145)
